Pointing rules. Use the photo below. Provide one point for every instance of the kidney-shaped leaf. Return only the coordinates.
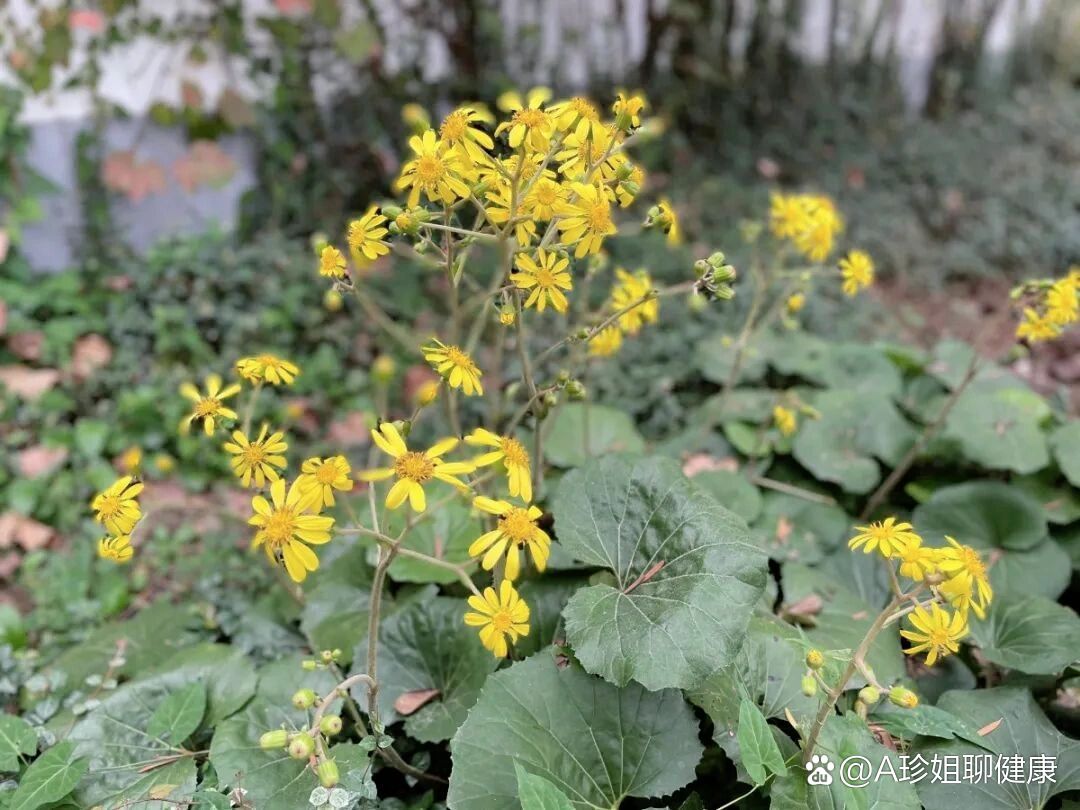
(1065, 442)
(17, 738)
(1029, 633)
(597, 743)
(582, 430)
(999, 429)
(984, 514)
(686, 575)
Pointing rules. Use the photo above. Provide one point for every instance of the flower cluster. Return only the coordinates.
(117, 509)
(1053, 307)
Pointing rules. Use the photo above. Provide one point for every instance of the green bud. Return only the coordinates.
(869, 695)
(308, 665)
(717, 258)
(301, 746)
(701, 267)
(391, 211)
(724, 292)
(550, 399)
(328, 773)
(814, 659)
(336, 653)
(330, 725)
(273, 740)
(904, 698)
(625, 171)
(564, 377)
(582, 334)
(575, 391)
(303, 699)
(809, 685)
(725, 273)
(327, 655)
(631, 188)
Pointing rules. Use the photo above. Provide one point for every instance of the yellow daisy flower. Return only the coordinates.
(116, 507)
(795, 303)
(208, 406)
(469, 141)
(498, 212)
(1062, 303)
(857, 268)
(414, 469)
(365, 236)
(332, 262)
(667, 221)
(435, 171)
(936, 632)
(784, 419)
(628, 109)
(287, 524)
(511, 453)
(633, 287)
(590, 150)
(515, 530)
(788, 216)
(530, 124)
(455, 366)
(606, 342)
(586, 220)
(571, 113)
(542, 199)
(917, 560)
(267, 368)
(256, 460)
(546, 277)
(499, 617)
(888, 537)
(321, 476)
(1036, 328)
(116, 549)
(968, 584)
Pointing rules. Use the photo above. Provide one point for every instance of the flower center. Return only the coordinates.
(502, 621)
(530, 117)
(546, 193)
(584, 108)
(515, 452)
(109, 506)
(207, 406)
(430, 169)
(327, 473)
(453, 127)
(972, 563)
(254, 454)
(279, 528)
(544, 277)
(458, 357)
(414, 466)
(938, 636)
(518, 526)
(599, 216)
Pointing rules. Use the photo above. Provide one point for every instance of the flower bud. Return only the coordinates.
(301, 746)
(550, 399)
(814, 659)
(698, 302)
(507, 315)
(625, 170)
(869, 695)
(582, 334)
(904, 698)
(575, 391)
(564, 377)
(427, 393)
(303, 699)
(273, 740)
(330, 725)
(332, 301)
(328, 773)
(391, 211)
(382, 371)
(308, 665)
(809, 685)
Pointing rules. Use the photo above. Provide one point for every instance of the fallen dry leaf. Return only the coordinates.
(39, 460)
(204, 164)
(28, 383)
(804, 610)
(90, 353)
(29, 534)
(990, 727)
(9, 564)
(408, 702)
(783, 529)
(27, 345)
(702, 462)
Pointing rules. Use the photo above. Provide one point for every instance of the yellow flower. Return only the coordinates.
(628, 110)
(572, 112)
(530, 123)
(365, 236)
(320, 477)
(1062, 304)
(888, 537)
(586, 220)
(131, 459)
(665, 218)
(515, 530)
(785, 420)
(590, 149)
(414, 469)
(499, 617)
(936, 633)
(795, 303)
(628, 189)
(968, 585)
(542, 199)
(1036, 328)
(917, 560)
(267, 368)
(857, 268)
(606, 342)
(116, 506)
(788, 215)
(332, 301)
(116, 549)
(208, 407)
(816, 242)
(511, 453)
(256, 460)
(427, 393)
(164, 463)
(455, 366)
(498, 212)
(546, 276)
(415, 117)
(331, 262)
(286, 525)
(435, 170)
(633, 287)
(458, 131)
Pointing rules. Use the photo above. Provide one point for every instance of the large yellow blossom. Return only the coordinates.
(511, 453)
(256, 460)
(515, 530)
(1036, 328)
(267, 368)
(365, 236)
(530, 124)
(458, 130)
(414, 469)
(545, 277)
(500, 617)
(455, 366)
(286, 525)
(435, 170)
(586, 218)
(321, 476)
(936, 632)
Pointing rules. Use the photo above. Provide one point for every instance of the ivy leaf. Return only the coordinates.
(177, 717)
(427, 646)
(16, 738)
(682, 565)
(582, 430)
(1065, 442)
(50, 777)
(760, 753)
(1031, 634)
(1021, 729)
(999, 428)
(595, 742)
(537, 793)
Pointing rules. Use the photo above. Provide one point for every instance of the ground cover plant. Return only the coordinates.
(500, 588)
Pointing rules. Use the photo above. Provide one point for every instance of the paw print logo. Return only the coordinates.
(820, 769)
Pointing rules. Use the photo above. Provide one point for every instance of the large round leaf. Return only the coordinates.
(1031, 634)
(546, 596)
(733, 491)
(999, 428)
(684, 572)
(715, 358)
(1065, 442)
(427, 646)
(447, 536)
(581, 430)
(984, 514)
(797, 530)
(595, 742)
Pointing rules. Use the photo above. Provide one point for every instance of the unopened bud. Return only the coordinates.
(301, 746)
(564, 377)
(308, 665)
(326, 655)
(550, 399)
(427, 393)
(391, 211)
(303, 698)
(809, 685)
(869, 695)
(330, 725)
(274, 740)
(814, 659)
(904, 698)
(625, 170)
(701, 267)
(575, 391)
(328, 773)
(382, 370)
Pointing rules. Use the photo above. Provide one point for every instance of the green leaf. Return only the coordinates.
(1031, 634)
(760, 754)
(715, 357)
(16, 738)
(999, 428)
(356, 43)
(49, 778)
(733, 492)
(335, 616)
(949, 362)
(797, 530)
(177, 717)
(854, 429)
(580, 431)
(1020, 728)
(1065, 442)
(546, 597)
(855, 367)
(924, 720)
(90, 437)
(595, 742)
(983, 514)
(1060, 502)
(426, 646)
(682, 566)
(747, 439)
(446, 536)
(537, 793)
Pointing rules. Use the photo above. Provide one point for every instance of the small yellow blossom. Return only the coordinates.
(888, 537)
(589, 153)
(572, 112)
(663, 216)
(256, 460)
(967, 584)
(500, 617)
(857, 268)
(267, 368)
(321, 476)
(332, 262)
(1036, 328)
(585, 220)
(459, 131)
(131, 459)
(286, 525)
(628, 109)
(511, 453)
(208, 406)
(455, 366)
(414, 469)
(785, 420)
(116, 549)
(515, 530)
(606, 342)
(365, 236)
(1062, 302)
(545, 277)
(530, 124)
(435, 170)
(634, 287)
(427, 393)
(164, 463)
(116, 507)
(917, 560)
(936, 633)
(795, 303)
